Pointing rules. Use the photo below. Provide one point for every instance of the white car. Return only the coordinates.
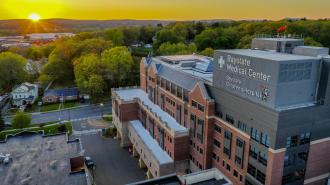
(5, 159)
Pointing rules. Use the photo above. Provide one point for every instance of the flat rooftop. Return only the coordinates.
(160, 155)
(205, 177)
(268, 55)
(131, 94)
(39, 160)
(195, 65)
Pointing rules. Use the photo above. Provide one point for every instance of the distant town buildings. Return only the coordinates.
(259, 115)
(28, 39)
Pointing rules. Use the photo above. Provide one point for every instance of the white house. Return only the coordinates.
(25, 93)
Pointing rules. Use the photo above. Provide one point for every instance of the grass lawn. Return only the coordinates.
(107, 117)
(49, 129)
(55, 106)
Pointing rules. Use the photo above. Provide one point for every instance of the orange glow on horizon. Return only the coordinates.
(168, 9)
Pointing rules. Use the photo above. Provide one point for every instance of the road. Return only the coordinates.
(78, 113)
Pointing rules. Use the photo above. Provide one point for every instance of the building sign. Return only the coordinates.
(241, 76)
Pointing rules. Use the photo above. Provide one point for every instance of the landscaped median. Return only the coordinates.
(107, 117)
(47, 128)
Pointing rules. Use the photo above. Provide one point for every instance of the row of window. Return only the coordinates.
(261, 137)
(260, 176)
(227, 166)
(293, 159)
(173, 88)
(296, 140)
(200, 150)
(258, 155)
(170, 101)
(196, 162)
(197, 106)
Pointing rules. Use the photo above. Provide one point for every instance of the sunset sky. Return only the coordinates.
(165, 9)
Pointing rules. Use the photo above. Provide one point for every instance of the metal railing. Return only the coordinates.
(291, 36)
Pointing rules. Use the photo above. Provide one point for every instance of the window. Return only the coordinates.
(254, 134)
(200, 107)
(291, 141)
(253, 152)
(162, 83)
(173, 89)
(201, 151)
(217, 128)
(239, 143)
(241, 126)
(226, 151)
(251, 170)
(214, 156)
(238, 160)
(185, 95)
(193, 103)
(235, 173)
(179, 92)
(261, 177)
(228, 167)
(262, 158)
(264, 139)
(227, 135)
(168, 85)
(216, 143)
(158, 80)
(229, 119)
(305, 138)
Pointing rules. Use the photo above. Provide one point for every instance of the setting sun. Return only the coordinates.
(34, 17)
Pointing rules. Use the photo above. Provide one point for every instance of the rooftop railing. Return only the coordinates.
(283, 36)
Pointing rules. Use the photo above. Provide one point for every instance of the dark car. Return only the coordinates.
(89, 162)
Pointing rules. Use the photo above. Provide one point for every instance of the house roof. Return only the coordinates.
(62, 92)
(26, 86)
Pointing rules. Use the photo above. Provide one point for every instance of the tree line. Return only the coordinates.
(97, 61)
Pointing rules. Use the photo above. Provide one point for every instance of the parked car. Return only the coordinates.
(5, 159)
(89, 162)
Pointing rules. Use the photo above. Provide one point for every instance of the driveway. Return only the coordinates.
(114, 165)
(78, 113)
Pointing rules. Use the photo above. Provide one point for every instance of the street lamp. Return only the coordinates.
(101, 104)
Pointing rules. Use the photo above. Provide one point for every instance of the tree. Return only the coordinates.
(87, 66)
(12, 69)
(167, 35)
(206, 39)
(176, 49)
(21, 120)
(60, 61)
(207, 52)
(119, 62)
(309, 41)
(115, 35)
(2, 122)
(96, 85)
(95, 45)
(146, 34)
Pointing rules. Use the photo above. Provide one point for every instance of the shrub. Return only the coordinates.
(21, 120)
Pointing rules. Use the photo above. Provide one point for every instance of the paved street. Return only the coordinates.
(79, 113)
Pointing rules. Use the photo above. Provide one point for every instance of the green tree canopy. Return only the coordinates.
(21, 120)
(96, 86)
(207, 52)
(115, 35)
(12, 69)
(167, 35)
(87, 66)
(176, 49)
(119, 62)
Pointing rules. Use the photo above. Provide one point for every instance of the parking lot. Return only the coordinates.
(114, 165)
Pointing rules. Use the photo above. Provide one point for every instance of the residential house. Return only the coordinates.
(24, 94)
(54, 95)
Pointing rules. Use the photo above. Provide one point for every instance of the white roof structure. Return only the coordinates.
(161, 156)
(268, 55)
(131, 94)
